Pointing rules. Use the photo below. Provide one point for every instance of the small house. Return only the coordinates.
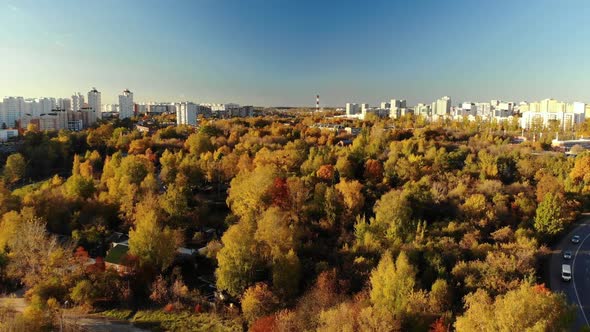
(116, 258)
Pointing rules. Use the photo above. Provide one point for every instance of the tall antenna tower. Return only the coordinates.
(317, 103)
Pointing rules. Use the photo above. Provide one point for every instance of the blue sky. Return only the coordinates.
(283, 52)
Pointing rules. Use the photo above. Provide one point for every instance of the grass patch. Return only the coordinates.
(122, 314)
(29, 188)
(11, 320)
(158, 320)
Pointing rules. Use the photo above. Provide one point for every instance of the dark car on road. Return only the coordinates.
(567, 254)
(576, 239)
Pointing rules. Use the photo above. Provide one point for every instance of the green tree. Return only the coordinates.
(153, 244)
(35, 257)
(547, 183)
(134, 169)
(440, 296)
(488, 165)
(352, 195)
(7, 200)
(286, 273)
(507, 169)
(276, 232)
(528, 308)
(170, 162)
(175, 201)
(238, 259)
(258, 301)
(341, 318)
(14, 169)
(393, 210)
(331, 205)
(393, 222)
(580, 173)
(391, 284)
(549, 220)
(475, 206)
(248, 193)
(83, 293)
(345, 167)
(79, 187)
(9, 226)
(198, 143)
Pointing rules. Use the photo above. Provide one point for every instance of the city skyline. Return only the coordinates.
(284, 53)
(73, 97)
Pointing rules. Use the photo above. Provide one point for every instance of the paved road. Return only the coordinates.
(14, 301)
(100, 324)
(577, 290)
(89, 323)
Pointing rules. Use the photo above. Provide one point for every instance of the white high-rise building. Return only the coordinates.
(43, 106)
(484, 110)
(12, 110)
(352, 109)
(94, 102)
(442, 106)
(108, 108)
(364, 108)
(126, 105)
(64, 104)
(423, 110)
(88, 116)
(77, 101)
(398, 103)
(142, 108)
(186, 113)
(398, 107)
(467, 109)
(550, 111)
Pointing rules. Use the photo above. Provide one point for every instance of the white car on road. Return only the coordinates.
(566, 272)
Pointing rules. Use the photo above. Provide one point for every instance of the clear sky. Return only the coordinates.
(283, 52)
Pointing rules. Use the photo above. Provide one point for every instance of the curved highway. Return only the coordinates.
(577, 290)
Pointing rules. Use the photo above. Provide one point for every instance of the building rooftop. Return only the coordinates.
(116, 254)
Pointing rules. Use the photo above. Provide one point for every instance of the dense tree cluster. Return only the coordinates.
(411, 226)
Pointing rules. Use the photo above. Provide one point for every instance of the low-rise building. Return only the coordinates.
(7, 134)
(567, 145)
(353, 131)
(117, 258)
(549, 111)
(159, 108)
(228, 110)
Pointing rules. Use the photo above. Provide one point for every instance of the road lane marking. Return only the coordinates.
(574, 280)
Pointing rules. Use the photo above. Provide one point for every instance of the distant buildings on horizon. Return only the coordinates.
(82, 111)
(187, 113)
(530, 115)
(78, 112)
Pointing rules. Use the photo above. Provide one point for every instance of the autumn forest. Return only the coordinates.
(272, 223)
